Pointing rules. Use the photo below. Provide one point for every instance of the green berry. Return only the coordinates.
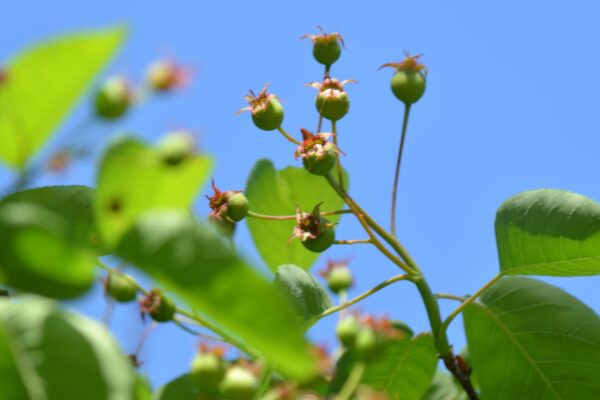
(339, 278)
(321, 164)
(121, 287)
(207, 371)
(368, 343)
(324, 239)
(408, 86)
(237, 207)
(326, 49)
(239, 384)
(161, 75)
(163, 308)
(175, 147)
(113, 99)
(346, 331)
(333, 104)
(269, 116)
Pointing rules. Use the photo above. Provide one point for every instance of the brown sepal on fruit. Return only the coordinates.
(315, 144)
(308, 225)
(330, 83)
(383, 326)
(331, 264)
(324, 36)
(410, 63)
(218, 201)
(260, 101)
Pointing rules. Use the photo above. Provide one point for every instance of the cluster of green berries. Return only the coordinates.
(367, 336)
(123, 288)
(211, 375)
(227, 208)
(116, 95)
(315, 232)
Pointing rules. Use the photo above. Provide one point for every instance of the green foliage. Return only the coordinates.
(199, 266)
(444, 387)
(39, 254)
(180, 388)
(47, 354)
(134, 178)
(44, 83)
(404, 370)
(73, 203)
(531, 340)
(280, 193)
(549, 232)
(305, 293)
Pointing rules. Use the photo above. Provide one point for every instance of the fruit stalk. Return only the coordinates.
(397, 173)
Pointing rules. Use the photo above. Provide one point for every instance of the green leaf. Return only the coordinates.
(305, 293)
(135, 178)
(531, 340)
(444, 388)
(180, 388)
(58, 355)
(404, 370)
(274, 192)
(44, 83)
(549, 232)
(38, 254)
(200, 267)
(73, 203)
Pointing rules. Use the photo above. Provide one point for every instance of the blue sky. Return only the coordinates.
(511, 104)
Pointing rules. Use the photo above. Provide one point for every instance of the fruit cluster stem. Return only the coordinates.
(397, 173)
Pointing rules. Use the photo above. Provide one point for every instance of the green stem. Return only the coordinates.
(361, 297)
(447, 296)
(352, 382)
(353, 241)
(288, 136)
(397, 173)
(361, 219)
(338, 163)
(468, 301)
(256, 215)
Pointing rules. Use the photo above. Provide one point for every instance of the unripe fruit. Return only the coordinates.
(339, 278)
(163, 308)
(207, 371)
(324, 240)
(237, 207)
(318, 154)
(113, 99)
(346, 331)
(408, 86)
(120, 287)
(239, 384)
(408, 82)
(333, 104)
(320, 165)
(368, 343)
(223, 226)
(175, 147)
(269, 117)
(326, 46)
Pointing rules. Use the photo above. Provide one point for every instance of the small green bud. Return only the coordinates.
(176, 147)
(239, 384)
(319, 156)
(120, 287)
(409, 80)
(114, 98)
(347, 330)
(266, 110)
(160, 307)
(207, 371)
(324, 238)
(369, 343)
(332, 101)
(339, 278)
(166, 75)
(237, 207)
(326, 46)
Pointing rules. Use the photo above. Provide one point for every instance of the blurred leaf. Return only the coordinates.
(58, 355)
(531, 340)
(404, 370)
(180, 388)
(549, 232)
(43, 85)
(306, 294)
(135, 178)
(444, 388)
(274, 192)
(73, 203)
(38, 254)
(200, 267)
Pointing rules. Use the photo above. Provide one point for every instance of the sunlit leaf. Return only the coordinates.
(530, 340)
(44, 83)
(200, 267)
(549, 232)
(274, 192)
